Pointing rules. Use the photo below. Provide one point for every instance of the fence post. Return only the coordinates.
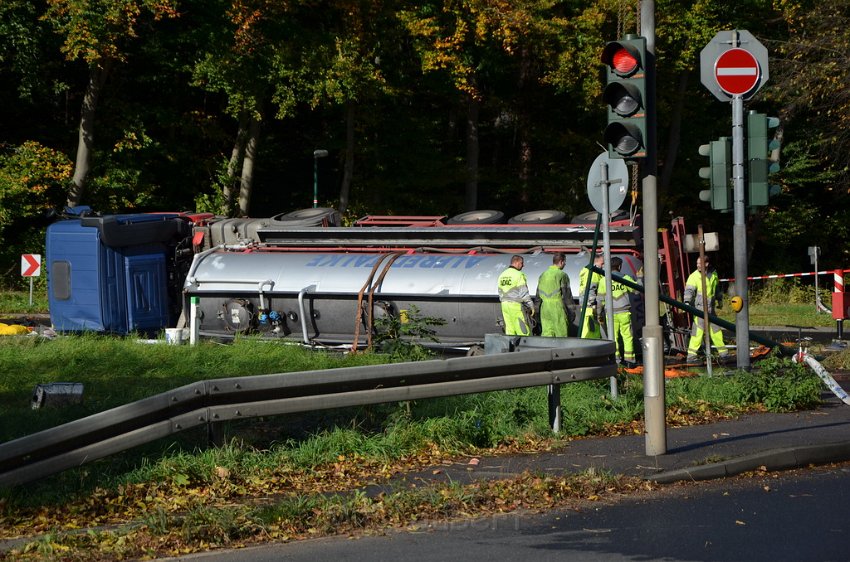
(839, 305)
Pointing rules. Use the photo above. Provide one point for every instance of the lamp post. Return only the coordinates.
(316, 155)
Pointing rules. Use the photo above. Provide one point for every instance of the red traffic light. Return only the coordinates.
(623, 58)
(625, 95)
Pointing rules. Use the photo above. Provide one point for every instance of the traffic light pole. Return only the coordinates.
(739, 230)
(739, 234)
(655, 428)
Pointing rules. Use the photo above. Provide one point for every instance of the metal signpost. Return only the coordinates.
(31, 267)
(813, 258)
(605, 193)
(733, 66)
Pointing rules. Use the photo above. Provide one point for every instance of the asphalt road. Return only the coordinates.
(794, 516)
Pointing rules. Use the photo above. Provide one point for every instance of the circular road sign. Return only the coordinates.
(737, 71)
(618, 181)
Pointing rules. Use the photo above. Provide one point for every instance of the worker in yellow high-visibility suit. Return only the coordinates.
(622, 332)
(693, 296)
(553, 289)
(590, 325)
(517, 306)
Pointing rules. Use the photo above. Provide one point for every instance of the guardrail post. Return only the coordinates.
(555, 407)
(500, 343)
(215, 433)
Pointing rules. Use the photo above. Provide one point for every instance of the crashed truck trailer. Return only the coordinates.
(301, 278)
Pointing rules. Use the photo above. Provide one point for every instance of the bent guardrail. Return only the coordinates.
(208, 402)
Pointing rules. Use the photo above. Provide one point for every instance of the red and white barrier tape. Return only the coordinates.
(782, 275)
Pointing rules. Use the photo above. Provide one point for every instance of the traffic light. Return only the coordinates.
(718, 173)
(625, 94)
(763, 158)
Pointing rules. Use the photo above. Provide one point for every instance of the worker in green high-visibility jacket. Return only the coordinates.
(693, 296)
(517, 306)
(590, 324)
(622, 331)
(556, 299)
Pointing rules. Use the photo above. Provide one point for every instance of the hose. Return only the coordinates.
(372, 290)
(824, 375)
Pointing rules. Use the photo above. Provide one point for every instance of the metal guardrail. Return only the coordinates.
(208, 402)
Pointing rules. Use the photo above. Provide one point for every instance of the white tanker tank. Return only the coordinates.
(313, 297)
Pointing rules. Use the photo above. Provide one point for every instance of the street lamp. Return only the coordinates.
(316, 155)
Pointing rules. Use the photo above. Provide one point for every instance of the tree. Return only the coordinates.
(456, 38)
(237, 63)
(97, 32)
(347, 65)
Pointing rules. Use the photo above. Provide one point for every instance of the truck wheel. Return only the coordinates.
(590, 217)
(549, 216)
(478, 217)
(321, 216)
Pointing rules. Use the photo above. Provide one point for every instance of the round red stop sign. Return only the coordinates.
(737, 72)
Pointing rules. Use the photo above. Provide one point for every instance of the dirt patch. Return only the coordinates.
(29, 320)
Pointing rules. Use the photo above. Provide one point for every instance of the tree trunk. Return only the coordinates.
(247, 183)
(524, 122)
(348, 166)
(473, 151)
(85, 145)
(524, 160)
(675, 137)
(228, 190)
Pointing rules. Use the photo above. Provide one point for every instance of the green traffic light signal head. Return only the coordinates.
(762, 158)
(718, 173)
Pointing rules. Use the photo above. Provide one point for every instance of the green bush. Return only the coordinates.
(400, 336)
(32, 182)
(786, 291)
(780, 385)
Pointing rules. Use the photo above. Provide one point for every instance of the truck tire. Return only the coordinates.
(549, 216)
(478, 217)
(321, 216)
(590, 217)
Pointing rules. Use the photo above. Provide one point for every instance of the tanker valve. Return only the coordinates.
(275, 319)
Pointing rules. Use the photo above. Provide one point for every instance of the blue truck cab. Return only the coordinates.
(112, 273)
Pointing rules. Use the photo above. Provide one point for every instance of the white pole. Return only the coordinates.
(194, 326)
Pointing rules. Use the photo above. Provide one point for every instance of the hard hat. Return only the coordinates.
(737, 303)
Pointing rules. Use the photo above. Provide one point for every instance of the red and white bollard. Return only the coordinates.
(840, 303)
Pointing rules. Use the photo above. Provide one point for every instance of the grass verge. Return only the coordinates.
(292, 476)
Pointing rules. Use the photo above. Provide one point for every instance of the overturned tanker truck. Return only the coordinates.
(300, 277)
